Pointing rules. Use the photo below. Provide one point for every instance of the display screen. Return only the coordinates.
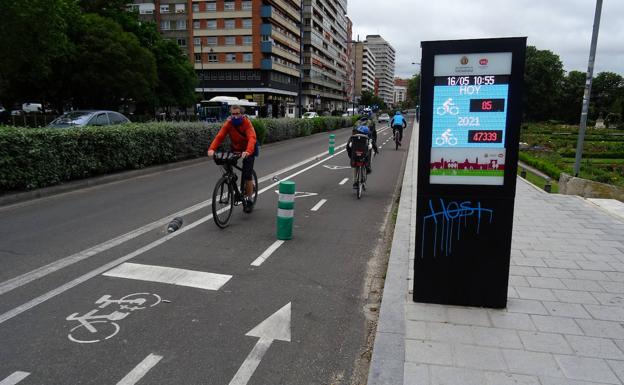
(484, 136)
(469, 118)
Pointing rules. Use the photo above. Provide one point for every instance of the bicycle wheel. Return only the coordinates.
(452, 141)
(440, 141)
(222, 202)
(361, 171)
(396, 141)
(454, 110)
(82, 335)
(254, 196)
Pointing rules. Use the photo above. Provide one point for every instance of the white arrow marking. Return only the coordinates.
(301, 194)
(332, 167)
(276, 327)
(140, 370)
(14, 378)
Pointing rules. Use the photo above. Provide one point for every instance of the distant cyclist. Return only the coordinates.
(369, 122)
(398, 123)
(243, 138)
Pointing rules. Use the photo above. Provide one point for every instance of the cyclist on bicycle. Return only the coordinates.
(243, 138)
(369, 122)
(398, 123)
(359, 134)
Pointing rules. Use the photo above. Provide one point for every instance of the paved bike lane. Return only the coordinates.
(200, 333)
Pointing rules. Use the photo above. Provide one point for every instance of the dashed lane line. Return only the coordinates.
(14, 378)
(267, 253)
(140, 370)
(318, 205)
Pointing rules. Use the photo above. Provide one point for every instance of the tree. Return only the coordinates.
(370, 99)
(34, 43)
(571, 101)
(110, 66)
(413, 90)
(606, 96)
(543, 77)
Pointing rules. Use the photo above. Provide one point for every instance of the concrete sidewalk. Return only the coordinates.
(565, 315)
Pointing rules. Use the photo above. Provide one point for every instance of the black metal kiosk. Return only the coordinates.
(471, 108)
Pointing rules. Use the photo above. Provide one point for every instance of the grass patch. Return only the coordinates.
(539, 181)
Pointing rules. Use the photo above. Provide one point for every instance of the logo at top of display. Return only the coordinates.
(483, 61)
(464, 60)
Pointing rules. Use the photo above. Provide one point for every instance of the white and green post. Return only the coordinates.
(285, 209)
(332, 144)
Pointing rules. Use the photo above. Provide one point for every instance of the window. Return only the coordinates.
(116, 118)
(246, 5)
(211, 7)
(146, 9)
(212, 58)
(196, 24)
(164, 8)
(180, 8)
(247, 40)
(212, 40)
(165, 25)
(99, 120)
(195, 7)
(247, 57)
(246, 23)
(182, 42)
(181, 24)
(197, 58)
(230, 40)
(230, 57)
(230, 23)
(211, 24)
(228, 5)
(197, 41)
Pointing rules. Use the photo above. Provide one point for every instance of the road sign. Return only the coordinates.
(468, 152)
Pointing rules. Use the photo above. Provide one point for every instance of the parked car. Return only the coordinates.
(84, 118)
(383, 118)
(310, 115)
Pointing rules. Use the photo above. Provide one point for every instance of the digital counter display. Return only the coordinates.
(470, 96)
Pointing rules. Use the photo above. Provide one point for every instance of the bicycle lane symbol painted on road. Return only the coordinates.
(94, 327)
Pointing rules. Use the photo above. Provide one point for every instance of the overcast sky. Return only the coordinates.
(562, 26)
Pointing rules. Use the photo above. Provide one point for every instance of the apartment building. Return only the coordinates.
(173, 19)
(364, 62)
(400, 90)
(250, 49)
(325, 58)
(384, 66)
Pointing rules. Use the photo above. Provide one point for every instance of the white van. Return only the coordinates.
(32, 107)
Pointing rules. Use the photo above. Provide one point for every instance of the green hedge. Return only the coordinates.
(38, 157)
(542, 165)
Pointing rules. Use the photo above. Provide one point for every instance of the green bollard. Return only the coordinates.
(332, 144)
(285, 209)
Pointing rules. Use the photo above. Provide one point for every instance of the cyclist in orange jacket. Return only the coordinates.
(243, 138)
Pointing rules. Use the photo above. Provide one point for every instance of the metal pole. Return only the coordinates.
(300, 106)
(588, 85)
(203, 75)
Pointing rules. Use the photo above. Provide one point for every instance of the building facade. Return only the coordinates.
(325, 57)
(364, 62)
(384, 66)
(250, 49)
(400, 90)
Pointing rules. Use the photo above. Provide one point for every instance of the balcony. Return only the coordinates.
(268, 47)
(268, 12)
(268, 64)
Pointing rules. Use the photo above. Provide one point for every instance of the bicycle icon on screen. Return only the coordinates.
(446, 138)
(448, 107)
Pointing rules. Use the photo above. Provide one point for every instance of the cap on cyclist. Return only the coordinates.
(363, 130)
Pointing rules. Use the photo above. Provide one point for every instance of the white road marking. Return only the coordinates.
(298, 194)
(343, 181)
(318, 205)
(140, 370)
(267, 253)
(40, 272)
(14, 378)
(170, 275)
(332, 167)
(61, 289)
(276, 327)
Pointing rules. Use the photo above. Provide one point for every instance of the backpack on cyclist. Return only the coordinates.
(359, 150)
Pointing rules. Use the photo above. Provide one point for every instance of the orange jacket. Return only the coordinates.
(240, 143)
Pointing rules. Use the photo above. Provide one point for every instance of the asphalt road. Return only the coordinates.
(71, 262)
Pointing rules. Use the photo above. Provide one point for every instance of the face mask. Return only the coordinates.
(237, 120)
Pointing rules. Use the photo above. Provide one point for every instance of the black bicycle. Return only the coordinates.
(227, 193)
(396, 134)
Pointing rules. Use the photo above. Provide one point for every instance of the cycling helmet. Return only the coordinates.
(398, 113)
(363, 130)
